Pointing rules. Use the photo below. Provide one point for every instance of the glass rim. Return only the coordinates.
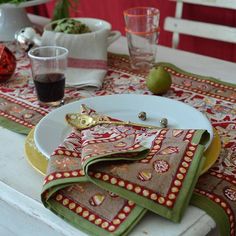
(126, 12)
(143, 32)
(63, 54)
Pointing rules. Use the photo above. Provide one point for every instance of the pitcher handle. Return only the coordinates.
(113, 36)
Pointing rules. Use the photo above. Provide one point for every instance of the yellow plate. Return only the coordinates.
(39, 162)
(212, 152)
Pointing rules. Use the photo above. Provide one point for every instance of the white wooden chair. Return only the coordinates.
(177, 25)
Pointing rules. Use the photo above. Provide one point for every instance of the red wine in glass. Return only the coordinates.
(50, 87)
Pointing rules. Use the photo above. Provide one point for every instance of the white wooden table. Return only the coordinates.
(21, 211)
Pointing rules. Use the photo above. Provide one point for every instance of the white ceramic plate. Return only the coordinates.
(52, 129)
(23, 4)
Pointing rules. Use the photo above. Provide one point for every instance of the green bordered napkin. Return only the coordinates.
(104, 178)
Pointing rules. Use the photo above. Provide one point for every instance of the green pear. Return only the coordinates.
(158, 80)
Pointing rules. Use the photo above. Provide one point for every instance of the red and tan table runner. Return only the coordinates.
(215, 191)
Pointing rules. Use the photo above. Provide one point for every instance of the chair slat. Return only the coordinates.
(199, 29)
(229, 4)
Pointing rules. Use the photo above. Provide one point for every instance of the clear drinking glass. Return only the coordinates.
(142, 32)
(48, 65)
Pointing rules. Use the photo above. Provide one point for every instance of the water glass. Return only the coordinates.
(142, 32)
(48, 65)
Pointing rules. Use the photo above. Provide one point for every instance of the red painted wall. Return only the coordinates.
(112, 11)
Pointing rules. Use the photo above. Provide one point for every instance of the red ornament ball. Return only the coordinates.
(7, 63)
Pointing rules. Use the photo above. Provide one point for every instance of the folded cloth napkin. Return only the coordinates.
(87, 61)
(104, 178)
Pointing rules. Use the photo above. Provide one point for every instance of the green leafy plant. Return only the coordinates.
(62, 8)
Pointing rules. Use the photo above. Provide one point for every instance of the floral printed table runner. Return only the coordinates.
(215, 191)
